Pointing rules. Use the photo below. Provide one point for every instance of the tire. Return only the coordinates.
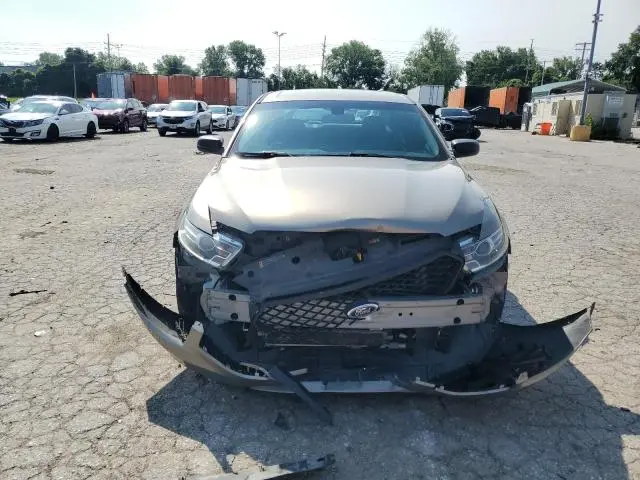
(8, 140)
(210, 128)
(476, 133)
(196, 131)
(162, 132)
(143, 125)
(53, 133)
(91, 130)
(125, 126)
(226, 127)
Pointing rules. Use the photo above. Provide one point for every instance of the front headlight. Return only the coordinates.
(217, 249)
(33, 123)
(492, 243)
(190, 117)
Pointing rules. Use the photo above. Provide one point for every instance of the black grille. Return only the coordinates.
(14, 123)
(435, 278)
(172, 120)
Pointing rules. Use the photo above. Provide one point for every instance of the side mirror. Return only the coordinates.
(211, 144)
(465, 147)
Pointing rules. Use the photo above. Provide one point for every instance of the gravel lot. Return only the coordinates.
(85, 392)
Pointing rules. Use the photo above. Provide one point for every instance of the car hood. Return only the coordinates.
(177, 113)
(25, 116)
(99, 112)
(331, 193)
(217, 116)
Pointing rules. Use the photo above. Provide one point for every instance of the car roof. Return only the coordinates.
(56, 103)
(336, 94)
(217, 105)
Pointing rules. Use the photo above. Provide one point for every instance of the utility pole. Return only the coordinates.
(324, 49)
(526, 75)
(75, 85)
(596, 20)
(108, 52)
(544, 67)
(279, 35)
(584, 48)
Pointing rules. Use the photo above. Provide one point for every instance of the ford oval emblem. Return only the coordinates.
(363, 310)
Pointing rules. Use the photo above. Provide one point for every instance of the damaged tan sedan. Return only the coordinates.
(338, 246)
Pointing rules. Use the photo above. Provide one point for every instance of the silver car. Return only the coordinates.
(330, 251)
(184, 116)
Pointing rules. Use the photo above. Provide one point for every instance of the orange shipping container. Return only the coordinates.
(456, 98)
(505, 98)
(216, 90)
(163, 89)
(232, 91)
(144, 87)
(182, 87)
(198, 85)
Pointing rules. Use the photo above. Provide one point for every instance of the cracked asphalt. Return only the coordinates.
(85, 391)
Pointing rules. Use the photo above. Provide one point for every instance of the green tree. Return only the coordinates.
(172, 65)
(116, 63)
(433, 61)
(247, 60)
(48, 58)
(356, 65)
(215, 61)
(623, 67)
(494, 67)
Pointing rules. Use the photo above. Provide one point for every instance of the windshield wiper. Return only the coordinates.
(263, 154)
(370, 154)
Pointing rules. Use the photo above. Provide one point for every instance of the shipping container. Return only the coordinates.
(114, 85)
(249, 89)
(144, 87)
(524, 96)
(505, 99)
(217, 90)
(182, 87)
(233, 91)
(198, 86)
(468, 97)
(427, 95)
(163, 89)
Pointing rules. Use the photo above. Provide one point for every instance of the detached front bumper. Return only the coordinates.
(515, 356)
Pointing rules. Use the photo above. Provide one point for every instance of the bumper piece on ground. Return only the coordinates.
(275, 471)
(515, 357)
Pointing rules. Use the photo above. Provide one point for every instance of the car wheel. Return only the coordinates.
(91, 130)
(53, 133)
(143, 125)
(162, 132)
(125, 126)
(226, 127)
(210, 128)
(476, 133)
(8, 140)
(196, 131)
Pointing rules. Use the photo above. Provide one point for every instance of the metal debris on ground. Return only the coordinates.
(25, 292)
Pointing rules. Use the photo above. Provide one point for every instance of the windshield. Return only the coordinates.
(238, 109)
(218, 109)
(454, 112)
(110, 104)
(182, 106)
(156, 107)
(37, 107)
(331, 127)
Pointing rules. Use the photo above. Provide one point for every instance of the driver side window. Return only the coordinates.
(65, 110)
(200, 107)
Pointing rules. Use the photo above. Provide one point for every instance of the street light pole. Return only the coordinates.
(596, 20)
(279, 35)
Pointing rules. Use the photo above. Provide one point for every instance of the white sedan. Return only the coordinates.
(48, 120)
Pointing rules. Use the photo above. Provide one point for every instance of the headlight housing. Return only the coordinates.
(217, 249)
(33, 123)
(190, 117)
(492, 243)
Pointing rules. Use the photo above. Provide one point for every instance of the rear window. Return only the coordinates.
(338, 128)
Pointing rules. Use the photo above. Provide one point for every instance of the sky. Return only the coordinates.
(143, 30)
